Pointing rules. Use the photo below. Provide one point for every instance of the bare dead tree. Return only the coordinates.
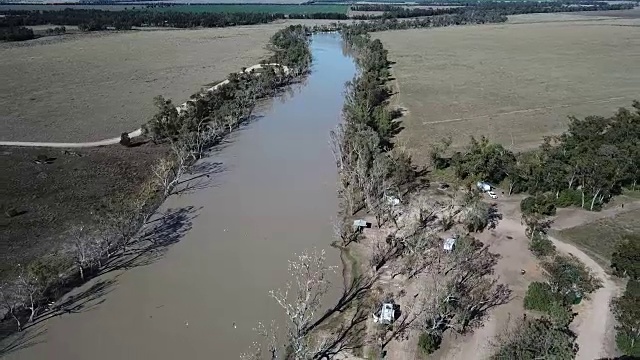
(29, 288)
(343, 231)
(458, 291)
(338, 146)
(301, 300)
(84, 250)
(11, 301)
(267, 347)
(168, 171)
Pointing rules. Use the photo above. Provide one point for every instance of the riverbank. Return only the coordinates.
(276, 180)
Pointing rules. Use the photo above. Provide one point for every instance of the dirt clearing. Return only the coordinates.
(514, 83)
(93, 86)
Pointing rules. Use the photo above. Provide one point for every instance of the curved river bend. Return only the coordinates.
(274, 196)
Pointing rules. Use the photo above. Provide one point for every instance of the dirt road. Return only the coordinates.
(593, 324)
(594, 320)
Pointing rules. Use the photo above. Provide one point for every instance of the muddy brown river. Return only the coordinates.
(273, 194)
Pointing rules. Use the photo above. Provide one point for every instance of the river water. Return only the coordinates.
(273, 195)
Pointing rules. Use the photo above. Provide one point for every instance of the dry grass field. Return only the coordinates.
(514, 82)
(88, 87)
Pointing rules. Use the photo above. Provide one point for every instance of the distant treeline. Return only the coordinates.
(412, 13)
(501, 8)
(468, 17)
(12, 22)
(376, 7)
(90, 20)
(529, 7)
(481, 2)
(321, 15)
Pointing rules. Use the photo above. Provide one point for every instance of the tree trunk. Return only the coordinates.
(32, 308)
(593, 201)
(81, 272)
(582, 206)
(18, 323)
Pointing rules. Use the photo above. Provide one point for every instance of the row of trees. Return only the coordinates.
(372, 172)
(500, 8)
(189, 131)
(91, 19)
(585, 166)
(464, 18)
(402, 13)
(530, 7)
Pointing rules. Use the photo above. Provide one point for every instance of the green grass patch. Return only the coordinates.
(258, 8)
(598, 239)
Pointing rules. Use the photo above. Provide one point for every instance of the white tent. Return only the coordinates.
(387, 314)
(449, 243)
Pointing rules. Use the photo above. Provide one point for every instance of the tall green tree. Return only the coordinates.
(627, 312)
(625, 260)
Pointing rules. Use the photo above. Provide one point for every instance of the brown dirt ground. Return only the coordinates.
(54, 197)
(514, 82)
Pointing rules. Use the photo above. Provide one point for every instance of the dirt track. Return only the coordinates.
(593, 324)
(594, 317)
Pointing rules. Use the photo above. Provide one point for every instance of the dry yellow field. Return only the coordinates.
(93, 86)
(514, 82)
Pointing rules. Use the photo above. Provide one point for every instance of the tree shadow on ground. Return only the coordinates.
(202, 177)
(156, 237)
(494, 216)
(22, 340)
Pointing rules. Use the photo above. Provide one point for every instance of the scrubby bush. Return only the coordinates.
(570, 278)
(428, 343)
(540, 245)
(569, 197)
(539, 204)
(625, 260)
(536, 339)
(626, 309)
(540, 297)
(125, 140)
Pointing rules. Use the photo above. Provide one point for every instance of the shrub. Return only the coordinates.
(571, 278)
(539, 297)
(569, 197)
(625, 260)
(539, 204)
(428, 343)
(124, 139)
(560, 315)
(540, 245)
(626, 309)
(536, 339)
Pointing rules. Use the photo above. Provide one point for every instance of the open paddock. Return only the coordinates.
(513, 82)
(87, 87)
